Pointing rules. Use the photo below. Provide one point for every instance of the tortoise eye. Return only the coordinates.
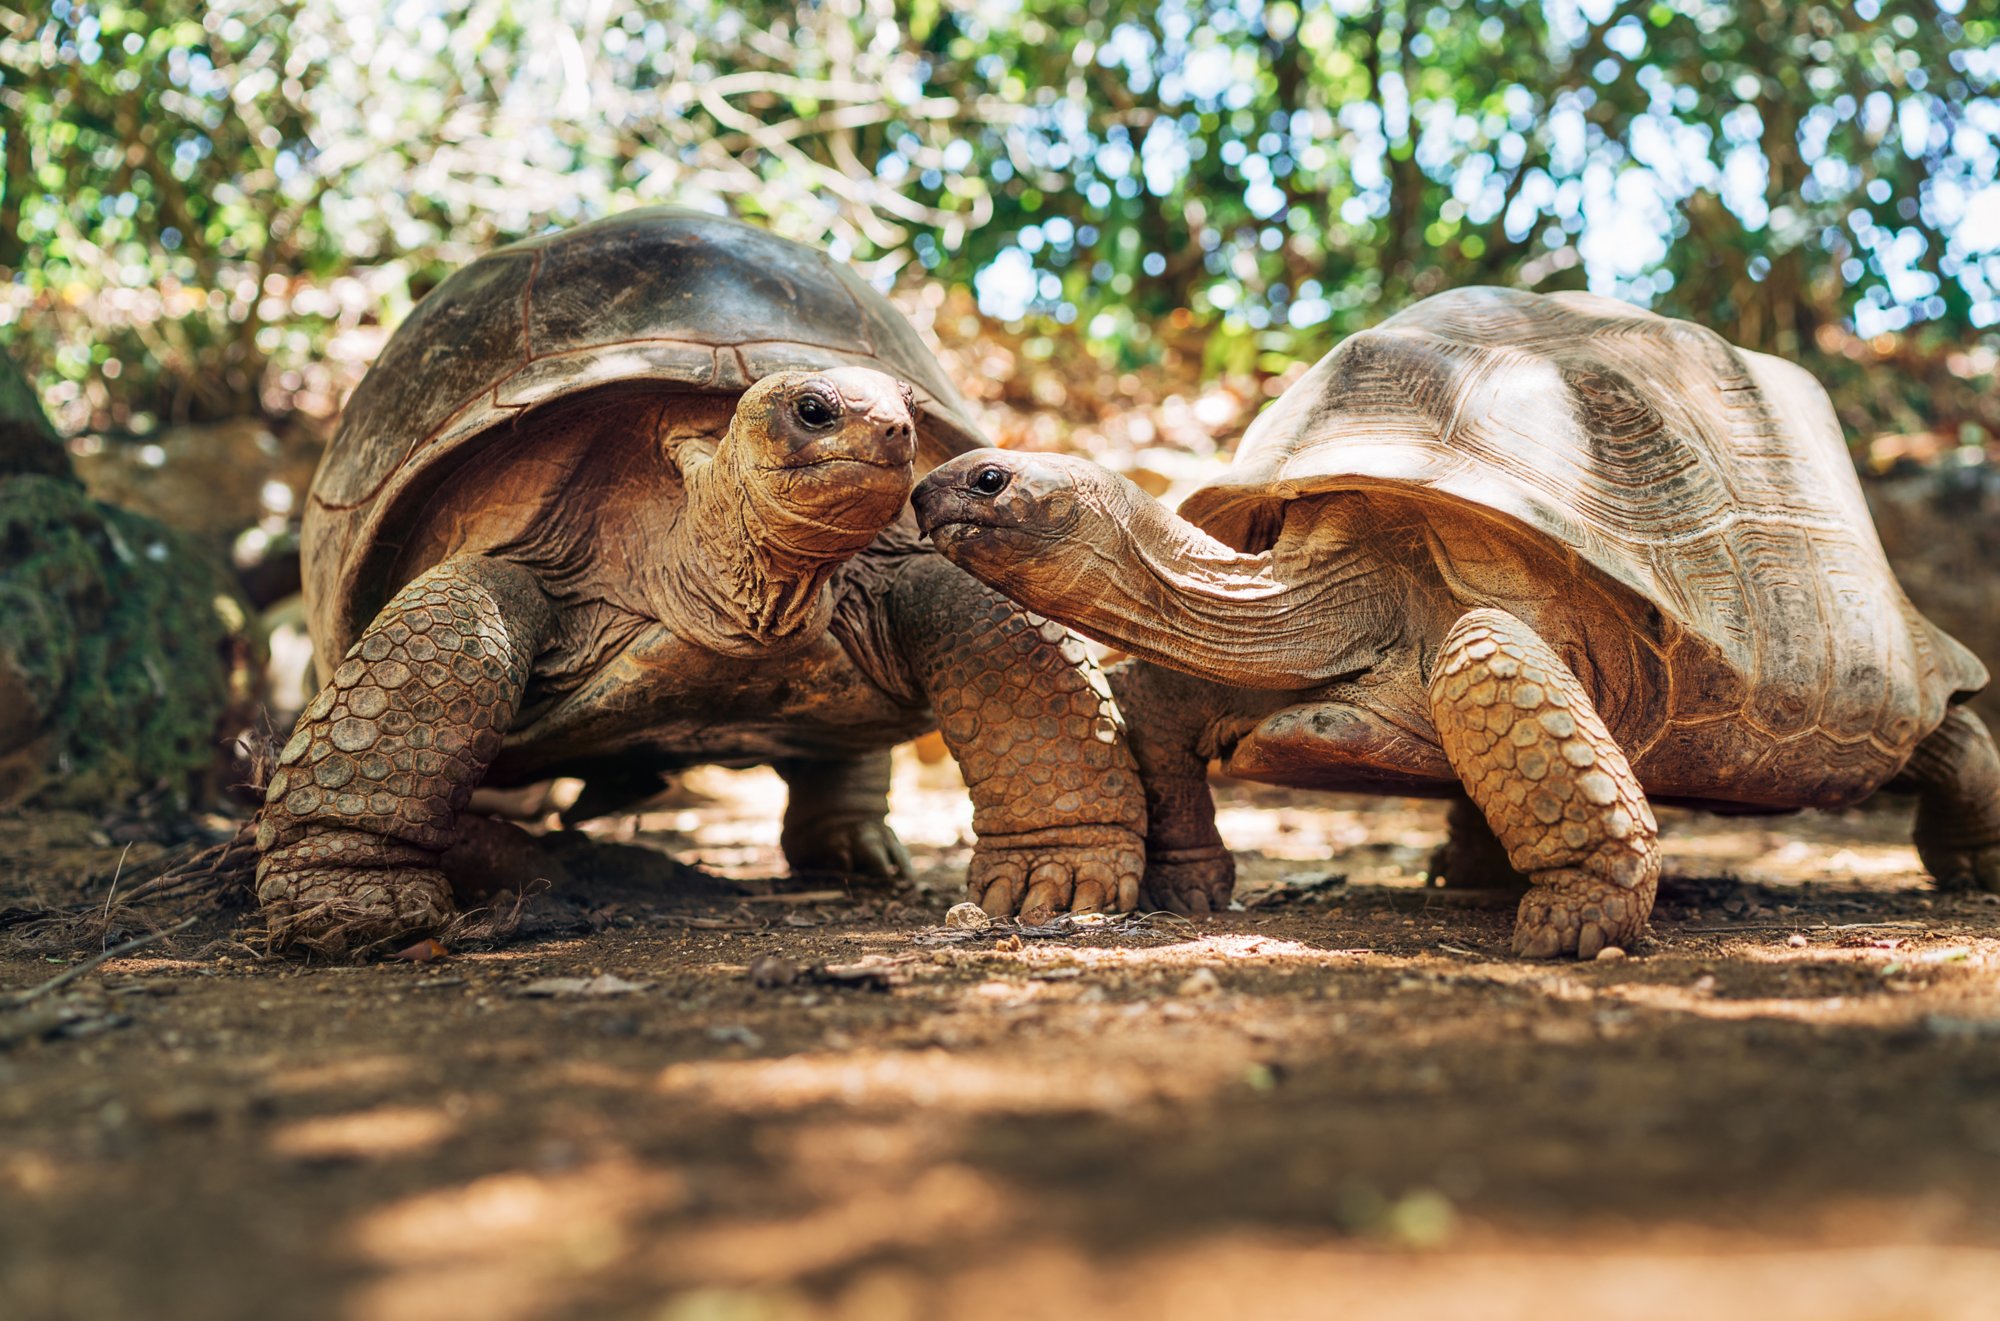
(990, 481)
(815, 412)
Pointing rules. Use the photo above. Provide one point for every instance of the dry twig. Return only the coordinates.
(68, 975)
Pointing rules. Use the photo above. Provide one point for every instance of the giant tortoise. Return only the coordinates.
(1554, 551)
(631, 497)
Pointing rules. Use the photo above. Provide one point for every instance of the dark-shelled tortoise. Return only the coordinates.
(632, 497)
(1554, 552)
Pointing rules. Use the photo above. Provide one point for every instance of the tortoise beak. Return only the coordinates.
(938, 502)
(954, 514)
(928, 502)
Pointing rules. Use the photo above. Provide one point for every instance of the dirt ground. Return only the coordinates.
(1344, 1100)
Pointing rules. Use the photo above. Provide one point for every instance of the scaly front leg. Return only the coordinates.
(1559, 793)
(368, 791)
(1057, 803)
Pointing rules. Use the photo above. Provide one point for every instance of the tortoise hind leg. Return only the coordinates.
(1956, 773)
(367, 794)
(1472, 856)
(837, 817)
(1535, 756)
(1188, 868)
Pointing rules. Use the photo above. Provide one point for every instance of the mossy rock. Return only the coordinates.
(128, 656)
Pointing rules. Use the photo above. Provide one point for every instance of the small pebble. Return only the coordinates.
(1796, 941)
(970, 916)
(768, 970)
(1610, 954)
(1202, 981)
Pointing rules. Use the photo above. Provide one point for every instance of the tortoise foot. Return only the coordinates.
(341, 913)
(1961, 866)
(1956, 772)
(1575, 913)
(1083, 870)
(1192, 883)
(850, 846)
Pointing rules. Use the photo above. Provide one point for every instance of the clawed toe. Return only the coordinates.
(1192, 887)
(1579, 914)
(344, 914)
(847, 848)
(1038, 882)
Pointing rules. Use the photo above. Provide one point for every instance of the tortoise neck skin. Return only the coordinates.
(1083, 545)
(776, 507)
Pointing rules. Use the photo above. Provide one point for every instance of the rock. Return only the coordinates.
(771, 970)
(128, 659)
(735, 1034)
(1610, 954)
(968, 916)
(1954, 1026)
(184, 1107)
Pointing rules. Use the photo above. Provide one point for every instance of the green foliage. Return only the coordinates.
(213, 207)
(28, 444)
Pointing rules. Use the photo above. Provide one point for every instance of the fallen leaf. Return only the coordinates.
(421, 952)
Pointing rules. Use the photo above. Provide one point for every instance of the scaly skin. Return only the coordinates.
(1056, 799)
(1188, 868)
(367, 793)
(1556, 789)
(1956, 772)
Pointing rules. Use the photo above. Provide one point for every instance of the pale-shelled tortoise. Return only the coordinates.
(1554, 552)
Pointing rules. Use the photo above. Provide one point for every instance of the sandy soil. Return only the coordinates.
(1345, 1100)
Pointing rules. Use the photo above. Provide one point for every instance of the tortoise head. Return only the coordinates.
(1001, 514)
(1077, 542)
(814, 466)
(830, 449)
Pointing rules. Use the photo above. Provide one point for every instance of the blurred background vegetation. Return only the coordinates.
(1126, 223)
(1123, 225)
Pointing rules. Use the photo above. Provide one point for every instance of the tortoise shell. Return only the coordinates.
(663, 295)
(1711, 483)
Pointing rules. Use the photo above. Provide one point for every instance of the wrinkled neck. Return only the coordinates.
(744, 571)
(1293, 617)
